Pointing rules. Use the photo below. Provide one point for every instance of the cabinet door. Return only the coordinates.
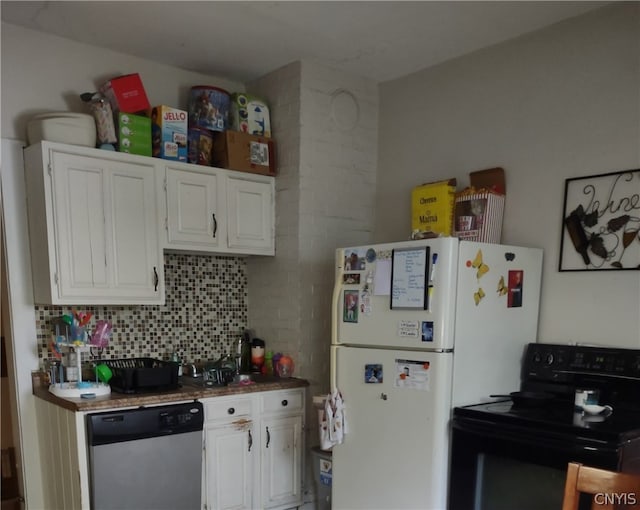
(229, 465)
(193, 214)
(105, 230)
(250, 210)
(281, 461)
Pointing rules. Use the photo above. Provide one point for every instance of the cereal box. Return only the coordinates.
(432, 209)
(169, 133)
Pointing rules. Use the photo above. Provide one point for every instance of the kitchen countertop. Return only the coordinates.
(187, 390)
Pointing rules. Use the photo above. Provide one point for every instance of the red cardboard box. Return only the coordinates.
(126, 94)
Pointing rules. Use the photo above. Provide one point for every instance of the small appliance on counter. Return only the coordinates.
(138, 375)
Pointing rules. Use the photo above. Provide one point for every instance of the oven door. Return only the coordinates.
(503, 467)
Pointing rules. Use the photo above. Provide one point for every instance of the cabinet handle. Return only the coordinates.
(215, 225)
(250, 440)
(268, 437)
(155, 279)
(285, 403)
(231, 410)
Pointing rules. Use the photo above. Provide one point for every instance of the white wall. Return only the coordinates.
(47, 73)
(41, 72)
(558, 103)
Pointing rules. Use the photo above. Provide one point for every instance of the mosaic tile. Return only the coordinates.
(204, 312)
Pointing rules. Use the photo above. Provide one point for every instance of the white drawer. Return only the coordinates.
(289, 401)
(223, 408)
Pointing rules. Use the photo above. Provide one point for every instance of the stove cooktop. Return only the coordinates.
(556, 419)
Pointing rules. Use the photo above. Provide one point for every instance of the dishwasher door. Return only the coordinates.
(162, 470)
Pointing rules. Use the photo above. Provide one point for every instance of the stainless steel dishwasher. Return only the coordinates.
(147, 458)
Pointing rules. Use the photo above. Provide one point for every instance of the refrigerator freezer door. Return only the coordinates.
(496, 317)
(362, 298)
(395, 453)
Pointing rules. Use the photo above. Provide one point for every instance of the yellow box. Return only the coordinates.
(432, 206)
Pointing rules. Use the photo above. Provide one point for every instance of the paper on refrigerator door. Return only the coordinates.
(412, 374)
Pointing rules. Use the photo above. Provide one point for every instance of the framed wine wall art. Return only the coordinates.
(601, 223)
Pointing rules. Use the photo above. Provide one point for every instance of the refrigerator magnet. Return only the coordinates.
(370, 255)
(514, 299)
(365, 302)
(373, 373)
(350, 312)
(354, 259)
(427, 331)
(351, 278)
(408, 329)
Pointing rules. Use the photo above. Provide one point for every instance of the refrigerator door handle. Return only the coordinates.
(334, 369)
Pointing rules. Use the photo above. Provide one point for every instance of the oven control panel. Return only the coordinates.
(556, 362)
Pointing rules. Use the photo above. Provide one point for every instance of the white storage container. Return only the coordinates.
(63, 127)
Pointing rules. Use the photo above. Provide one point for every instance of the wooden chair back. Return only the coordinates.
(609, 490)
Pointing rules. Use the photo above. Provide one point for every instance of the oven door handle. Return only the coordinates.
(523, 436)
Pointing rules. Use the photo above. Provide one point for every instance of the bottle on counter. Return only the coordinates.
(257, 355)
(268, 363)
(274, 362)
(244, 351)
(175, 357)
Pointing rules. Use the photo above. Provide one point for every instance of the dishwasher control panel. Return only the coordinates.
(181, 417)
(144, 422)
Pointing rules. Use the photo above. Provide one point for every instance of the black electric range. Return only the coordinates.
(515, 456)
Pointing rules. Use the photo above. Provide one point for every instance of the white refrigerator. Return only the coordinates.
(419, 327)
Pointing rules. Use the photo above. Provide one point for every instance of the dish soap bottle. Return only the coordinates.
(176, 359)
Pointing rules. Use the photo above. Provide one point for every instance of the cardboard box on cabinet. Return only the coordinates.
(169, 133)
(244, 152)
(479, 209)
(126, 94)
(432, 209)
(134, 134)
(249, 114)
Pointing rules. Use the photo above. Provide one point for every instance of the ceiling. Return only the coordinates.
(243, 40)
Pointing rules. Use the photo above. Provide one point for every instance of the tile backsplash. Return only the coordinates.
(204, 312)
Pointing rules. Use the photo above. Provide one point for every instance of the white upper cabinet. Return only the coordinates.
(251, 216)
(99, 220)
(218, 211)
(93, 226)
(194, 205)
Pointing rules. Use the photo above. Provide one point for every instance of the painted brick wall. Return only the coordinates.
(325, 125)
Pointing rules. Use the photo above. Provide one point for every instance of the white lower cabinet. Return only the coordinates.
(230, 450)
(282, 438)
(253, 450)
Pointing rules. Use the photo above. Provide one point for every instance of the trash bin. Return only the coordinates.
(322, 474)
